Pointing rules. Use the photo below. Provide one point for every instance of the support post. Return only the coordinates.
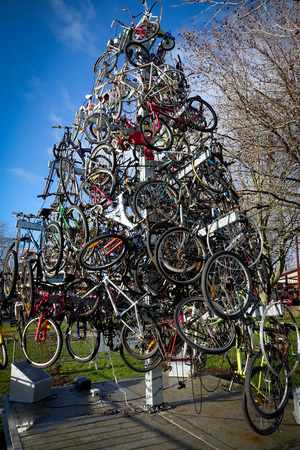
(153, 378)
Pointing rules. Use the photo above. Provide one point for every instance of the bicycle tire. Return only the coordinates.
(256, 422)
(264, 390)
(27, 288)
(149, 28)
(3, 355)
(131, 88)
(51, 248)
(146, 275)
(155, 201)
(180, 256)
(96, 128)
(154, 233)
(157, 134)
(9, 273)
(76, 227)
(200, 115)
(136, 54)
(170, 87)
(201, 329)
(279, 333)
(181, 148)
(226, 285)
(139, 365)
(102, 252)
(138, 339)
(97, 188)
(82, 338)
(212, 175)
(78, 124)
(239, 234)
(45, 352)
(109, 96)
(81, 296)
(68, 180)
(108, 59)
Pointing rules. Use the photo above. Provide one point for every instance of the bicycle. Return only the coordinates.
(41, 336)
(46, 249)
(214, 335)
(75, 230)
(193, 113)
(144, 31)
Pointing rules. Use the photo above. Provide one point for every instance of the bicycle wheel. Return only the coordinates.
(130, 86)
(97, 188)
(107, 60)
(180, 256)
(153, 235)
(237, 233)
(157, 134)
(149, 26)
(27, 288)
(81, 296)
(42, 342)
(138, 339)
(139, 365)
(146, 275)
(76, 227)
(265, 392)
(199, 115)
(68, 180)
(103, 156)
(97, 128)
(211, 174)
(201, 329)
(226, 285)
(10, 273)
(280, 339)
(82, 340)
(181, 149)
(155, 201)
(108, 95)
(170, 87)
(78, 123)
(102, 252)
(256, 422)
(3, 355)
(136, 54)
(51, 248)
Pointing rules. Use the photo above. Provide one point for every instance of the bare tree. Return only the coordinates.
(5, 239)
(247, 57)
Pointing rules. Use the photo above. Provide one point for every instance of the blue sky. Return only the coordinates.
(48, 51)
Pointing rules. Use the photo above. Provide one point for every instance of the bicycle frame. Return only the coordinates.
(30, 227)
(133, 304)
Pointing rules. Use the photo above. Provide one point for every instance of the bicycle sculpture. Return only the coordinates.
(165, 269)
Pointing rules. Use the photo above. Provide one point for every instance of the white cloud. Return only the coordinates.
(26, 175)
(71, 24)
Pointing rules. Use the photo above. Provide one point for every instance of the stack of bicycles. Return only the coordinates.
(164, 265)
